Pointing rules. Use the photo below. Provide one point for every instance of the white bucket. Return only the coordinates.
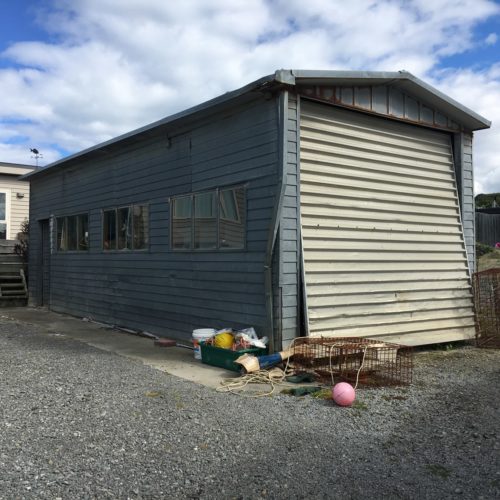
(200, 335)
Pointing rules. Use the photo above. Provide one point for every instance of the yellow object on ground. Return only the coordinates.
(224, 340)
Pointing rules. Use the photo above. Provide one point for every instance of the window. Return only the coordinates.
(3, 216)
(125, 228)
(209, 220)
(232, 218)
(181, 223)
(73, 233)
(140, 225)
(205, 221)
(109, 230)
(82, 233)
(72, 229)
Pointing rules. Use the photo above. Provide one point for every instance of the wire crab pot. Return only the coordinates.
(487, 305)
(368, 362)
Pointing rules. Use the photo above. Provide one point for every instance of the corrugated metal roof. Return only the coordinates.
(402, 79)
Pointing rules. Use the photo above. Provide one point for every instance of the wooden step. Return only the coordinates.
(10, 257)
(12, 283)
(13, 290)
(13, 301)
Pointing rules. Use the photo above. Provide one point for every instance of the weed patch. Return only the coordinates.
(438, 470)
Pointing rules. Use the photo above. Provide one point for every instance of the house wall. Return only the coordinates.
(19, 207)
(161, 291)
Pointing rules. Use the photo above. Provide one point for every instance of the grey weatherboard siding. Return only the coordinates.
(159, 290)
(248, 137)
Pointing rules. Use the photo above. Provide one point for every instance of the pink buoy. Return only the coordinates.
(343, 394)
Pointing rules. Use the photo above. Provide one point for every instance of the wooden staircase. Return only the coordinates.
(13, 289)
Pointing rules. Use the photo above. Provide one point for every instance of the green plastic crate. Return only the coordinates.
(224, 358)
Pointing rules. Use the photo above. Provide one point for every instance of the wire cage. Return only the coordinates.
(368, 362)
(487, 305)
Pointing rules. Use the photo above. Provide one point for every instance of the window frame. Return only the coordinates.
(242, 216)
(66, 217)
(172, 218)
(131, 211)
(235, 203)
(217, 192)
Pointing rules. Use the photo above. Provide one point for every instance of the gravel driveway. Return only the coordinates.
(77, 422)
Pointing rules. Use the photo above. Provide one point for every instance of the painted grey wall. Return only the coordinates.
(165, 292)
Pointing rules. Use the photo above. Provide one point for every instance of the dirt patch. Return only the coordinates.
(489, 261)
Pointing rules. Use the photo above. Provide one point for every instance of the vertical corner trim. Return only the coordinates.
(275, 221)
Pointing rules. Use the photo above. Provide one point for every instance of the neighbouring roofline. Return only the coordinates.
(401, 79)
(17, 169)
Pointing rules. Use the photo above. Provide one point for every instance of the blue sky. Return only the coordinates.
(18, 23)
(481, 55)
(74, 73)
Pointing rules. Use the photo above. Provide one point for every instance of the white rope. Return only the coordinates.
(276, 377)
(361, 366)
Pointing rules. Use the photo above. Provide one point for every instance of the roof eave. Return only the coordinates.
(403, 79)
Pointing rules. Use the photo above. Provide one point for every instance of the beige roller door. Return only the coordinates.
(383, 248)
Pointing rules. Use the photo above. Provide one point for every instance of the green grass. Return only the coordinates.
(323, 394)
(360, 405)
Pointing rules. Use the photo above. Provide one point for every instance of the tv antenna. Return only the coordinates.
(36, 154)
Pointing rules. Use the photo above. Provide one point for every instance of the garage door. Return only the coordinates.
(383, 247)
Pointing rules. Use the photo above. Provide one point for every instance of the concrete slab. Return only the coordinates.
(176, 361)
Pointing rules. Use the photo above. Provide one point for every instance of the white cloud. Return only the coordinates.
(109, 70)
(491, 39)
(480, 91)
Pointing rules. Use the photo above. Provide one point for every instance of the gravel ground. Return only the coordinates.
(77, 422)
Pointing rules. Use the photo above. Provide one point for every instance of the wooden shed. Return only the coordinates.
(306, 203)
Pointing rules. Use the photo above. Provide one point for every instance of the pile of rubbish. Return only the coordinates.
(236, 340)
(222, 347)
(342, 363)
